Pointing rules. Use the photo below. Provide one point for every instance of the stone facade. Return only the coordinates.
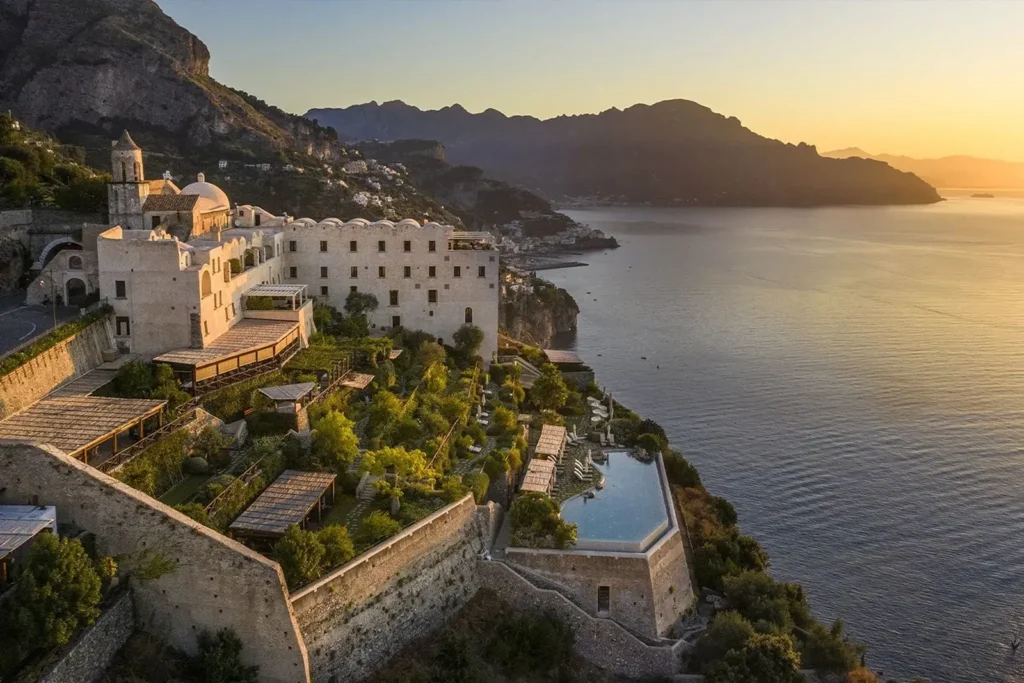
(69, 359)
(600, 641)
(213, 582)
(360, 615)
(91, 654)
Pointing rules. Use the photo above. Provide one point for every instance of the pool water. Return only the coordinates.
(628, 514)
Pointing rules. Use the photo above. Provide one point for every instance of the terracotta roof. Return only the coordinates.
(170, 202)
(162, 186)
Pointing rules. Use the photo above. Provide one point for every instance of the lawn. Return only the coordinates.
(343, 505)
(184, 489)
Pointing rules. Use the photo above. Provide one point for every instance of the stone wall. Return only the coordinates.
(67, 360)
(91, 654)
(600, 641)
(356, 618)
(213, 581)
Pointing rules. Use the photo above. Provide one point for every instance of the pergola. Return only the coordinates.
(551, 442)
(83, 426)
(540, 476)
(558, 357)
(357, 380)
(248, 343)
(291, 499)
(285, 297)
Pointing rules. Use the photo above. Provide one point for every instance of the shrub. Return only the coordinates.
(269, 423)
(861, 676)
(452, 489)
(535, 523)
(211, 445)
(497, 373)
(300, 554)
(828, 650)
(376, 527)
(159, 467)
(765, 659)
(478, 483)
(335, 444)
(195, 511)
(218, 660)
(495, 468)
(259, 303)
(235, 265)
(649, 442)
(56, 594)
(549, 391)
(526, 645)
(338, 547)
(728, 631)
(765, 601)
(51, 339)
(468, 339)
(680, 472)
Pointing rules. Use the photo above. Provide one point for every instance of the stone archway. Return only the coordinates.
(51, 249)
(76, 292)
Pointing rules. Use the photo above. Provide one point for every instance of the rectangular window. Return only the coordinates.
(432, 272)
(120, 291)
(256, 220)
(292, 246)
(353, 246)
(323, 291)
(227, 315)
(431, 245)
(382, 246)
(457, 271)
(323, 271)
(293, 272)
(353, 271)
(353, 288)
(323, 245)
(124, 327)
(407, 272)
(491, 259)
(407, 246)
(232, 309)
(206, 328)
(604, 599)
(382, 271)
(156, 221)
(396, 321)
(393, 299)
(431, 296)
(481, 271)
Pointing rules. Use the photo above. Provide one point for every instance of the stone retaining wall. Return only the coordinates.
(359, 616)
(91, 654)
(186, 577)
(69, 359)
(600, 641)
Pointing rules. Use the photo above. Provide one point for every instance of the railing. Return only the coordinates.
(340, 369)
(121, 457)
(250, 470)
(247, 371)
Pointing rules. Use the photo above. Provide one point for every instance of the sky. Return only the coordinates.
(924, 78)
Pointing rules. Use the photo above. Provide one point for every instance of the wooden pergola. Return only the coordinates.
(291, 499)
(249, 345)
(82, 426)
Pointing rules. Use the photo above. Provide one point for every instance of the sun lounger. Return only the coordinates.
(476, 449)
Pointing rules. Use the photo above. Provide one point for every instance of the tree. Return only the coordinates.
(504, 422)
(680, 472)
(56, 594)
(760, 598)
(376, 527)
(828, 650)
(478, 483)
(360, 303)
(384, 412)
(210, 444)
(864, 676)
(338, 548)
(468, 339)
(765, 659)
(218, 660)
(728, 631)
(535, 522)
(649, 442)
(549, 391)
(429, 353)
(335, 443)
(300, 554)
(134, 380)
(404, 464)
(435, 378)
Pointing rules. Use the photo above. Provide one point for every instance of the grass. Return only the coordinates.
(343, 505)
(183, 490)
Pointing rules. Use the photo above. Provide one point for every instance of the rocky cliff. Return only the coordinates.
(86, 70)
(539, 316)
(14, 260)
(672, 153)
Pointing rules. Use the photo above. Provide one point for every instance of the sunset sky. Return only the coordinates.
(918, 78)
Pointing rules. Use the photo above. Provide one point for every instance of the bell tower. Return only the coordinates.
(128, 189)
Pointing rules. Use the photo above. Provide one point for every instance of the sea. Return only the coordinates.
(852, 379)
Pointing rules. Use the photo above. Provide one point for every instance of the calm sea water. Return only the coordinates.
(853, 381)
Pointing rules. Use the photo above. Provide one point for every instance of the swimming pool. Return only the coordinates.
(628, 514)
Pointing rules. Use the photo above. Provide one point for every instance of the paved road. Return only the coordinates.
(20, 323)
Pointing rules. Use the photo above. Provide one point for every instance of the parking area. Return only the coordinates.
(20, 323)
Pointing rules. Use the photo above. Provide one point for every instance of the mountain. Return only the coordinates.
(84, 71)
(674, 152)
(953, 171)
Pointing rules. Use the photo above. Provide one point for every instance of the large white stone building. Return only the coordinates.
(179, 265)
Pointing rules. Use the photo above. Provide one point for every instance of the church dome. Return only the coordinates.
(211, 197)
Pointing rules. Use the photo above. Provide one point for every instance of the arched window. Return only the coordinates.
(469, 316)
(206, 284)
(250, 259)
(75, 262)
(124, 172)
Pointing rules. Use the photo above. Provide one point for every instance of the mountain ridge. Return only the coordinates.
(952, 171)
(674, 152)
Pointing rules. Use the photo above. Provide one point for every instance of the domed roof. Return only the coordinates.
(211, 197)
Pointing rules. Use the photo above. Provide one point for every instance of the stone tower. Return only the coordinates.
(128, 189)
